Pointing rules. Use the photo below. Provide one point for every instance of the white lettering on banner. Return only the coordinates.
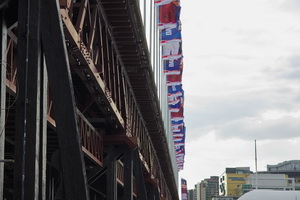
(171, 63)
(168, 31)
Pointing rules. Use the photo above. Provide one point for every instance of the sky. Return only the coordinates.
(242, 83)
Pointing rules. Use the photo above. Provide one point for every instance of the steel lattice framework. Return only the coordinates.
(80, 116)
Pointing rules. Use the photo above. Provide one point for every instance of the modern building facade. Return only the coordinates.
(235, 182)
(233, 178)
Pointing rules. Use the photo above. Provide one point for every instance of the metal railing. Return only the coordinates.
(100, 57)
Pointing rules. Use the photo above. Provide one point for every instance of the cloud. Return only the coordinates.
(234, 114)
(253, 128)
(285, 68)
(290, 6)
(294, 61)
(291, 68)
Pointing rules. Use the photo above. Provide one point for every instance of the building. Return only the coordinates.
(233, 178)
(222, 198)
(191, 194)
(284, 176)
(242, 189)
(290, 168)
(209, 187)
(236, 182)
(287, 166)
(197, 191)
(270, 181)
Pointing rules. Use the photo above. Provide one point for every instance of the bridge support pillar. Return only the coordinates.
(152, 192)
(62, 93)
(112, 181)
(128, 174)
(29, 118)
(138, 172)
(3, 36)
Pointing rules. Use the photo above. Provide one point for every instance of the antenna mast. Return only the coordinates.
(255, 166)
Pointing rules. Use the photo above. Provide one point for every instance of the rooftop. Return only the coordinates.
(270, 195)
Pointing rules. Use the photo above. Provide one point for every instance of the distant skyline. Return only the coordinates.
(241, 80)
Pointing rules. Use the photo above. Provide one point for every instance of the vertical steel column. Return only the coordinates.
(138, 172)
(43, 131)
(112, 193)
(3, 97)
(62, 93)
(26, 177)
(128, 174)
(152, 192)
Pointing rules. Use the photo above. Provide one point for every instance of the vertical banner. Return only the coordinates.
(171, 43)
(183, 189)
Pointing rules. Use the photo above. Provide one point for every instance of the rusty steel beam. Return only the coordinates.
(93, 28)
(82, 54)
(81, 15)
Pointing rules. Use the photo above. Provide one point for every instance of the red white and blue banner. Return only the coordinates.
(184, 192)
(171, 42)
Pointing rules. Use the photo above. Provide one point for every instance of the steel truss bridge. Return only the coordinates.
(80, 116)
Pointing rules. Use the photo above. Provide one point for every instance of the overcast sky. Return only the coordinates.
(242, 82)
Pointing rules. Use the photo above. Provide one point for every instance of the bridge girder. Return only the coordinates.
(92, 105)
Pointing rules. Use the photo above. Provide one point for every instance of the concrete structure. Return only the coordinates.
(209, 187)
